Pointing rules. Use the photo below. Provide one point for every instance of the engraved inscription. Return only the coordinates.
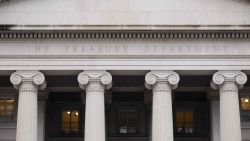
(95, 49)
(126, 48)
(39, 49)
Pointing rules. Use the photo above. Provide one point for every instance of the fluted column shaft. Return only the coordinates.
(229, 113)
(229, 83)
(27, 109)
(95, 83)
(162, 82)
(27, 82)
(162, 113)
(94, 118)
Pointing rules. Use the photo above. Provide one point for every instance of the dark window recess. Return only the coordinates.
(128, 96)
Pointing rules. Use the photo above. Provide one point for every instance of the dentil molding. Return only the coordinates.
(106, 34)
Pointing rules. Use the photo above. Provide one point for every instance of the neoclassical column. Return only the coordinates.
(27, 83)
(95, 83)
(229, 83)
(162, 83)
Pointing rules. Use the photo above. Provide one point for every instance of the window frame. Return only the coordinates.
(244, 114)
(184, 109)
(13, 114)
(118, 120)
(127, 122)
(70, 133)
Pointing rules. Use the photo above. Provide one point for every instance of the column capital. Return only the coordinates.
(104, 77)
(36, 77)
(169, 77)
(222, 77)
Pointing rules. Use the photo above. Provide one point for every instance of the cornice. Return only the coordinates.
(3, 1)
(125, 35)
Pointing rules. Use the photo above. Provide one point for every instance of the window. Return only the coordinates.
(127, 121)
(6, 109)
(245, 104)
(70, 122)
(184, 122)
(245, 108)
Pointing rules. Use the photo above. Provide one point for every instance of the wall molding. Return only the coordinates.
(125, 35)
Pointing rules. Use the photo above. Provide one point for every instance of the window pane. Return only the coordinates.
(74, 127)
(66, 121)
(66, 127)
(132, 129)
(184, 121)
(179, 121)
(179, 117)
(245, 104)
(2, 102)
(66, 116)
(188, 117)
(70, 121)
(74, 121)
(74, 116)
(131, 116)
(1, 110)
(10, 101)
(123, 116)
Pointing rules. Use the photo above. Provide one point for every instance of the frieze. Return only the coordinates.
(99, 48)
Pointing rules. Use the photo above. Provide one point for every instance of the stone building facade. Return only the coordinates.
(124, 70)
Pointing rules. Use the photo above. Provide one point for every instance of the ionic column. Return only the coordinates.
(229, 83)
(27, 83)
(95, 83)
(162, 83)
